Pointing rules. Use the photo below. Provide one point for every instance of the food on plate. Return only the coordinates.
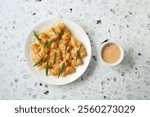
(57, 51)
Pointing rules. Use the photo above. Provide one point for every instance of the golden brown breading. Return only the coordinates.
(58, 46)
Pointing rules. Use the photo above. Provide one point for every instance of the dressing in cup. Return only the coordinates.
(111, 53)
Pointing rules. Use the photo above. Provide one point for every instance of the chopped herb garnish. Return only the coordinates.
(77, 52)
(61, 34)
(54, 60)
(65, 49)
(54, 30)
(47, 44)
(61, 69)
(46, 68)
(38, 61)
(37, 37)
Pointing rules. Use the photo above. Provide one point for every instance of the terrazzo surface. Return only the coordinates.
(126, 22)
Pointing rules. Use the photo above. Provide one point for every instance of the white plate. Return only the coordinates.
(78, 32)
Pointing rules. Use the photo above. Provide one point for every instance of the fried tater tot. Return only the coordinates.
(68, 70)
(35, 48)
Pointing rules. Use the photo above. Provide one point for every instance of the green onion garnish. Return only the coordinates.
(61, 69)
(65, 49)
(37, 37)
(77, 52)
(61, 34)
(47, 44)
(46, 68)
(54, 30)
(38, 61)
(54, 59)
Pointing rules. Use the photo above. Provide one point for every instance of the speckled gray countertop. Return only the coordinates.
(124, 21)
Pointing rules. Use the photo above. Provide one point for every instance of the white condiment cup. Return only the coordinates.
(121, 54)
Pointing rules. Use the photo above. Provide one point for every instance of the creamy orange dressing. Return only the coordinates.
(111, 53)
